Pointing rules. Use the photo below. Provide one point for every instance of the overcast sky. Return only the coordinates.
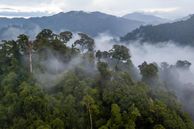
(164, 8)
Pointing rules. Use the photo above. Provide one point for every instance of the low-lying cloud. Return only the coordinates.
(178, 80)
(162, 52)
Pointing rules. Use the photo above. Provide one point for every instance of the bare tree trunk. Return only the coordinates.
(90, 114)
(30, 57)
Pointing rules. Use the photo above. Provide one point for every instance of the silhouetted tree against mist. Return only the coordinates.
(149, 72)
(183, 64)
(45, 34)
(86, 45)
(65, 36)
(26, 47)
(43, 39)
(85, 42)
(120, 52)
(103, 55)
(23, 41)
(98, 55)
(118, 58)
(106, 54)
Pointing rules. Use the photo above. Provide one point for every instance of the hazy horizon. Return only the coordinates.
(171, 9)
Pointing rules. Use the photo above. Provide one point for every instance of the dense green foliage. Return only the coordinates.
(181, 32)
(100, 92)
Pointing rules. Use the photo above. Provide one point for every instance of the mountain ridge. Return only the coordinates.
(181, 32)
(91, 23)
(146, 18)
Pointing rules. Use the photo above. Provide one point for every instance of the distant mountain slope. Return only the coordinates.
(181, 32)
(146, 18)
(183, 18)
(90, 23)
(12, 31)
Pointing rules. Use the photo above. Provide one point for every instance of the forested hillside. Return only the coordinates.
(53, 82)
(92, 23)
(181, 32)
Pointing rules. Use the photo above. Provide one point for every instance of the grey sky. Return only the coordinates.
(164, 8)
